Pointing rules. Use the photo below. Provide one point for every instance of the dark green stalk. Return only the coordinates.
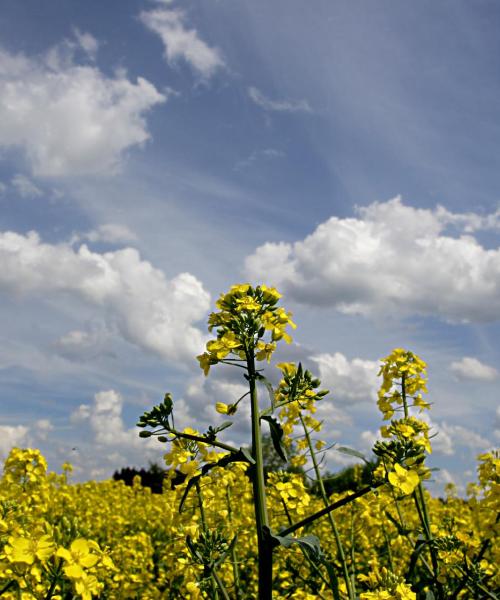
(265, 549)
(324, 511)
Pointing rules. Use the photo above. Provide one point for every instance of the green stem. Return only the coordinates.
(54, 581)
(221, 585)
(331, 507)
(424, 518)
(8, 585)
(403, 393)
(353, 574)
(236, 572)
(204, 440)
(265, 548)
(204, 524)
(388, 546)
(423, 513)
(331, 520)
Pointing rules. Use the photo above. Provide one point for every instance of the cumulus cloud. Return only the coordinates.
(277, 105)
(113, 444)
(472, 368)
(181, 42)
(42, 428)
(348, 381)
(11, 436)
(71, 119)
(135, 298)
(462, 436)
(389, 259)
(25, 187)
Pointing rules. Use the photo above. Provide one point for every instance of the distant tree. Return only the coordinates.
(351, 478)
(152, 477)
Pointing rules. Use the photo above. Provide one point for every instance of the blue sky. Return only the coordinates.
(154, 153)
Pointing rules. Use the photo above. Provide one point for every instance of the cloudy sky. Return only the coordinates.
(154, 153)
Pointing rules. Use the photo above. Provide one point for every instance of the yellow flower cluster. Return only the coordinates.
(404, 378)
(245, 315)
(106, 540)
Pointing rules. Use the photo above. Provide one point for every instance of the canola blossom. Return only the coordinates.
(225, 528)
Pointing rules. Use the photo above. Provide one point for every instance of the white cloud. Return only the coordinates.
(136, 299)
(472, 368)
(390, 259)
(111, 233)
(462, 436)
(277, 105)
(348, 381)
(71, 119)
(80, 345)
(113, 444)
(25, 187)
(43, 427)
(10, 437)
(181, 42)
(87, 43)
(3, 188)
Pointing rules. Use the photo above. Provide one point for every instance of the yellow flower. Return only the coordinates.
(403, 480)
(81, 555)
(264, 351)
(403, 592)
(225, 409)
(87, 586)
(26, 550)
(205, 361)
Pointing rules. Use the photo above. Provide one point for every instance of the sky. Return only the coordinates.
(154, 153)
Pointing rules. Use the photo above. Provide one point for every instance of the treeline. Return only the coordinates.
(350, 478)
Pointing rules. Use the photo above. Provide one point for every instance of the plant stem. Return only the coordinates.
(331, 507)
(213, 581)
(265, 548)
(204, 440)
(53, 584)
(236, 572)
(333, 525)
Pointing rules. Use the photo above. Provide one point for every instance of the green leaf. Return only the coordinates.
(248, 455)
(310, 543)
(269, 387)
(351, 452)
(277, 435)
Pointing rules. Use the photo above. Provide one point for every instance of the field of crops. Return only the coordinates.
(228, 531)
